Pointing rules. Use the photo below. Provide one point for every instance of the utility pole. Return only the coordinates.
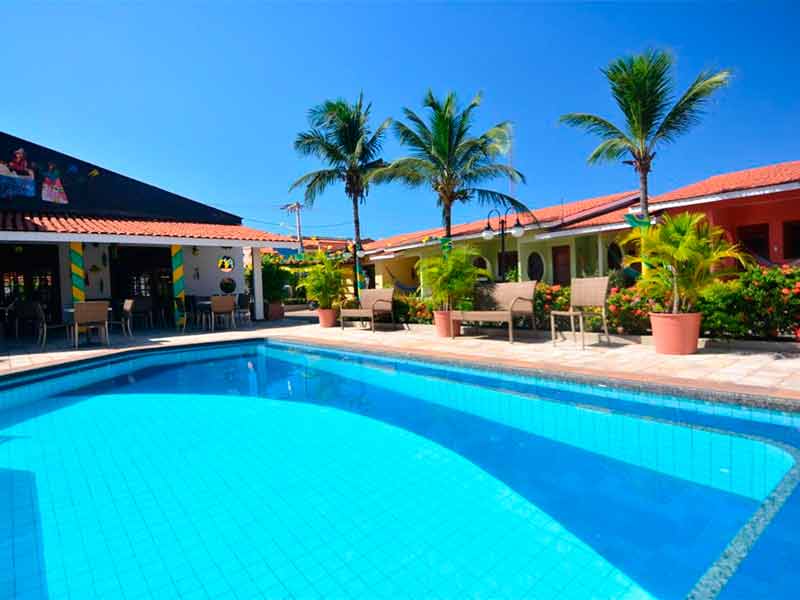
(296, 207)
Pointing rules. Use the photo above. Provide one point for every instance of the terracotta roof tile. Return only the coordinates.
(50, 223)
(776, 174)
(547, 214)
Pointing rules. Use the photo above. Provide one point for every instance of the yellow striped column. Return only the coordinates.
(77, 270)
(178, 284)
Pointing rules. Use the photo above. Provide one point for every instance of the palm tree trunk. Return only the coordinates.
(357, 245)
(447, 213)
(643, 195)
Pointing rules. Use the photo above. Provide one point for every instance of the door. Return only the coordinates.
(143, 271)
(29, 272)
(506, 261)
(562, 273)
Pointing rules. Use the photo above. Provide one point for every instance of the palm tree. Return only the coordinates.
(445, 156)
(341, 137)
(642, 87)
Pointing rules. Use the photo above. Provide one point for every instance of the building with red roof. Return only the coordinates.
(72, 231)
(759, 208)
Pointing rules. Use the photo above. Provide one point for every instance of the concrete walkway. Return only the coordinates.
(759, 373)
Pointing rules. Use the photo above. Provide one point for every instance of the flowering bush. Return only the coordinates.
(548, 298)
(771, 301)
(412, 309)
(629, 310)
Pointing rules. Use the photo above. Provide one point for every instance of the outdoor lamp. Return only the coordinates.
(517, 230)
(488, 232)
(360, 253)
(347, 255)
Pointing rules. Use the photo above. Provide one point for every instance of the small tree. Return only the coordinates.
(683, 254)
(324, 282)
(451, 276)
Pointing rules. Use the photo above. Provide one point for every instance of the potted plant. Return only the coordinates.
(682, 256)
(325, 284)
(274, 280)
(451, 279)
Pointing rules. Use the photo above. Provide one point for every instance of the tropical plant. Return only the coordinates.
(447, 158)
(683, 255)
(643, 88)
(341, 137)
(275, 278)
(324, 281)
(451, 276)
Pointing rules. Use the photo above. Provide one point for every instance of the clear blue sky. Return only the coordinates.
(205, 99)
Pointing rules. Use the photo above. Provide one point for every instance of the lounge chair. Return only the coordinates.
(507, 301)
(372, 303)
(587, 292)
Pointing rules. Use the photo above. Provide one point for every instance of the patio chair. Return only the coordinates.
(25, 312)
(181, 316)
(143, 309)
(371, 303)
(126, 318)
(507, 300)
(44, 326)
(92, 315)
(243, 307)
(587, 292)
(223, 307)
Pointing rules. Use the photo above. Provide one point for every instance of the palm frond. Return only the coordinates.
(495, 198)
(316, 182)
(488, 172)
(593, 124)
(611, 150)
(689, 108)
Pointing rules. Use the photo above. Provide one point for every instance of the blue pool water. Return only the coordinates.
(265, 470)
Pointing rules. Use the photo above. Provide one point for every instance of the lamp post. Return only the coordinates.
(359, 253)
(488, 233)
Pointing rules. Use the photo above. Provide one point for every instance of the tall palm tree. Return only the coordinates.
(341, 137)
(642, 87)
(447, 158)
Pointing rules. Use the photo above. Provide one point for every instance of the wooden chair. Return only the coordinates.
(507, 300)
(587, 292)
(43, 326)
(223, 307)
(90, 316)
(372, 303)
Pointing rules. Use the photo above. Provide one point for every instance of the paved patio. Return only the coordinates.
(763, 373)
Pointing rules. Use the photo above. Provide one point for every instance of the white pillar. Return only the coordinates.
(258, 287)
(601, 255)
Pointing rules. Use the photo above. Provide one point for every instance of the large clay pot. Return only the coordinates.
(275, 311)
(675, 333)
(327, 317)
(441, 319)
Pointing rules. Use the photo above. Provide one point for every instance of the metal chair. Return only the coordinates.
(587, 292)
(43, 326)
(243, 307)
(126, 318)
(371, 304)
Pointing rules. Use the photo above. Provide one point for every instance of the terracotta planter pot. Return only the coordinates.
(275, 311)
(327, 317)
(441, 318)
(675, 334)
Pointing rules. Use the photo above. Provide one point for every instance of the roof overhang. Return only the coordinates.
(708, 199)
(142, 240)
(562, 233)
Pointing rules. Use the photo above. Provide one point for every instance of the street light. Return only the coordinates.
(488, 233)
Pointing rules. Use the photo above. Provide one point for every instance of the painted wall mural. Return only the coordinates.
(22, 177)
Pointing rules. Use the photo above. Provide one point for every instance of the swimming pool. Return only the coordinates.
(270, 470)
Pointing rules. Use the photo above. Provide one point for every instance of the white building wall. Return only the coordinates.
(202, 274)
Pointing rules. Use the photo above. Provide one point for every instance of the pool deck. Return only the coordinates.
(722, 371)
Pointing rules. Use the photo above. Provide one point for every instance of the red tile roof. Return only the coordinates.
(50, 223)
(785, 172)
(548, 214)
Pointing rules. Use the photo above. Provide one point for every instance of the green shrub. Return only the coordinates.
(412, 309)
(772, 300)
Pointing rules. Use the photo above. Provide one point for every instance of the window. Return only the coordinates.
(535, 267)
(755, 239)
(791, 239)
(139, 285)
(480, 262)
(614, 257)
